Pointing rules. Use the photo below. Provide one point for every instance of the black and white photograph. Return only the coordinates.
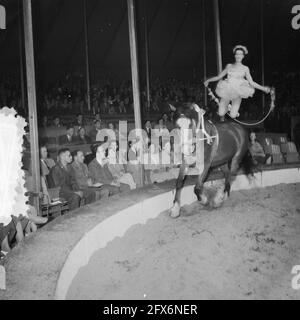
(149, 151)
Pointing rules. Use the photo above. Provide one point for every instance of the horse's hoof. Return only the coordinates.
(175, 211)
(204, 200)
(226, 195)
(218, 199)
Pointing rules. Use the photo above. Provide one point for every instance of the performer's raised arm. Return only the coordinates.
(218, 77)
(254, 84)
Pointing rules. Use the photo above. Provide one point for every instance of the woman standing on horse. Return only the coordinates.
(238, 85)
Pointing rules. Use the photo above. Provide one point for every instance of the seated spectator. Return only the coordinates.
(136, 154)
(62, 177)
(46, 164)
(95, 132)
(81, 174)
(45, 122)
(168, 124)
(97, 117)
(111, 108)
(160, 131)
(166, 156)
(111, 126)
(12, 233)
(69, 137)
(100, 174)
(257, 151)
(116, 168)
(92, 155)
(82, 137)
(297, 135)
(148, 129)
(161, 125)
(122, 108)
(79, 121)
(57, 123)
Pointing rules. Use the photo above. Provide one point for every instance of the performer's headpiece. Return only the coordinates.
(240, 47)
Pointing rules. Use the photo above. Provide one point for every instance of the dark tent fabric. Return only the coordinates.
(175, 36)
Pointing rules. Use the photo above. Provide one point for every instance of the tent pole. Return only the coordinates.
(262, 51)
(20, 34)
(134, 71)
(147, 60)
(204, 50)
(87, 62)
(218, 35)
(31, 95)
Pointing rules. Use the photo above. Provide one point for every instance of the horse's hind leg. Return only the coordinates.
(222, 194)
(229, 171)
(227, 175)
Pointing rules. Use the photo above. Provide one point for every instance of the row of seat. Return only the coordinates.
(278, 146)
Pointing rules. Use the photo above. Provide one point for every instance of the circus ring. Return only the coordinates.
(45, 265)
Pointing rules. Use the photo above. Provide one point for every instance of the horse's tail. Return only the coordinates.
(247, 164)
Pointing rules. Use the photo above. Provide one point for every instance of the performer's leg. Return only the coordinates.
(223, 108)
(235, 106)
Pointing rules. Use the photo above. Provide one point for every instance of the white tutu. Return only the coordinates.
(234, 88)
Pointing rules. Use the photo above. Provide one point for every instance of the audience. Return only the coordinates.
(116, 168)
(82, 137)
(257, 151)
(95, 132)
(46, 164)
(13, 232)
(83, 180)
(100, 173)
(148, 130)
(69, 137)
(79, 121)
(57, 123)
(62, 177)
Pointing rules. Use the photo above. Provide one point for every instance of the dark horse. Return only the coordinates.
(227, 150)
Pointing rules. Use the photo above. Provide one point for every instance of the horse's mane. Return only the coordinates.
(187, 109)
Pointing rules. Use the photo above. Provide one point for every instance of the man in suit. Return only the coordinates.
(63, 176)
(81, 174)
(67, 138)
(79, 122)
(94, 132)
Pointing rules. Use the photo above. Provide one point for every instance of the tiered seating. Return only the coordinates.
(279, 147)
(52, 205)
(289, 151)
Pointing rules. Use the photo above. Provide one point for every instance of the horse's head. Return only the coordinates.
(185, 118)
(185, 115)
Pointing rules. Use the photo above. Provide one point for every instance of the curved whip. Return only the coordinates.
(272, 106)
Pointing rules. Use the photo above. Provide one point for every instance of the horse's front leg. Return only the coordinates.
(175, 210)
(198, 190)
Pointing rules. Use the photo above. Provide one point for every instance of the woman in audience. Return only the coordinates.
(46, 164)
(111, 126)
(257, 151)
(116, 167)
(83, 138)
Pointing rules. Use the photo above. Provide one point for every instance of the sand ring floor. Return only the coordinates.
(244, 250)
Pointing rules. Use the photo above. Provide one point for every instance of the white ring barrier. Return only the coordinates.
(139, 213)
